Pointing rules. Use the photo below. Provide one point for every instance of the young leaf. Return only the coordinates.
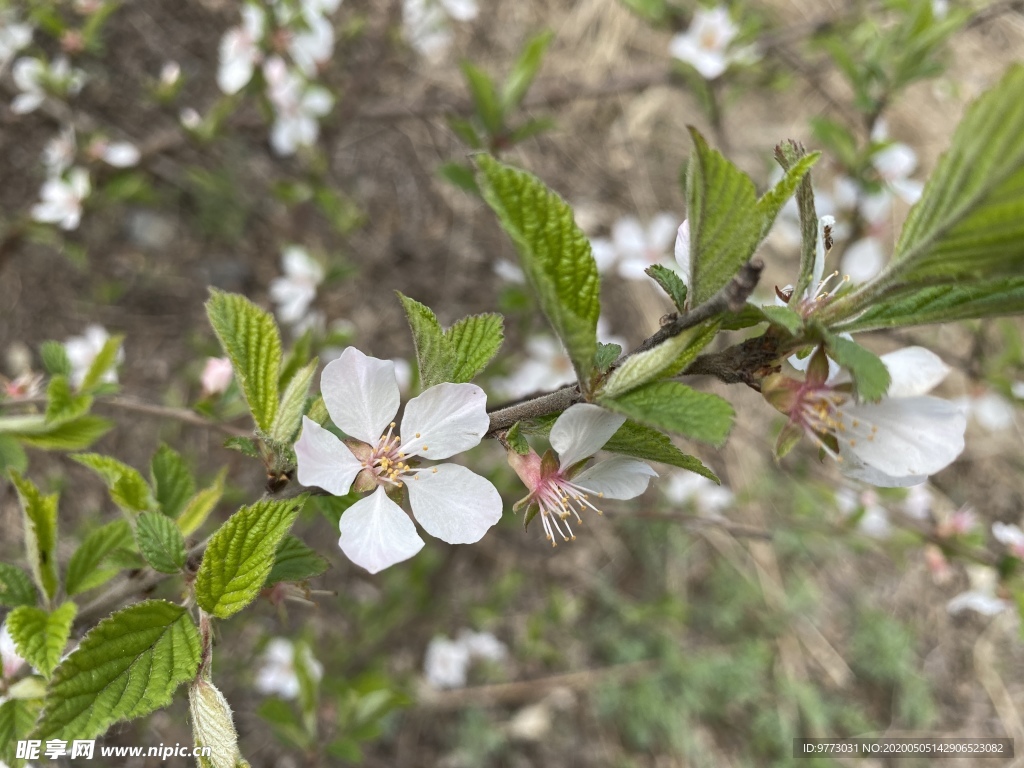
(294, 561)
(244, 445)
(172, 480)
(293, 401)
(485, 98)
(105, 359)
(784, 317)
(160, 542)
(554, 253)
(127, 666)
(670, 282)
(298, 356)
(17, 716)
(212, 726)
(127, 487)
(84, 571)
(460, 175)
(725, 223)
(524, 71)
(201, 505)
(473, 342)
(606, 355)
(675, 407)
(41, 636)
(55, 358)
(428, 337)
(12, 455)
(634, 439)
(15, 587)
(73, 435)
(61, 403)
(771, 202)
(251, 340)
(516, 441)
(665, 359)
(40, 521)
(870, 376)
(240, 556)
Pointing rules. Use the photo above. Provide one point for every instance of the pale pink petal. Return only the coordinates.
(683, 251)
(361, 394)
(581, 431)
(914, 371)
(445, 420)
(616, 478)
(324, 461)
(454, 504)
(376, 533)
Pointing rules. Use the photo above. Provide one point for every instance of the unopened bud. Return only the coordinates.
(212, 725)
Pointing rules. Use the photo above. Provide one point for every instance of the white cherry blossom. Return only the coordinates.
(449, 501)
(298, 106)
(34, 76)
(1011, 536)
(706, 45)
(706, 495)
(895, 162)
(61, 199)
(426, 24)
(294, 292)
(277, 673)
(119, 154)
(863, 259)
(558, 489)
(989, 410)
(82, 351)
(446, 663)
(216, 376)
(874, 518)
(240, 50)
(634, 247)
(981, 597)
(59, 152)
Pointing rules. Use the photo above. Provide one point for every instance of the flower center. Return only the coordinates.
(819, 410)
(558, 499)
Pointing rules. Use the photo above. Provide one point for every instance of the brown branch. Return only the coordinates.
(553, 402)
(168, 412)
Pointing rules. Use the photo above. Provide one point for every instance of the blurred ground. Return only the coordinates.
(704, 645)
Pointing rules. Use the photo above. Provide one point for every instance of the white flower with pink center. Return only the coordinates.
(449, 501)
(558, 489)
(706, 44)
(61, 199)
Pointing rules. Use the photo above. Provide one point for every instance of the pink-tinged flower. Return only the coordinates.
(240, 50)
(634, 247)
(1011, 537)
(25, 385)
(982, 597)
(449, 501)
(294, 292)
(938, 565)
(298, 106)
(10, 661)
(278, 674)
(706, 44)
(61, 199)
(960, 523)
(896, 442)
(918, 502)
(82, 351)
(558, 489)
(216, 376)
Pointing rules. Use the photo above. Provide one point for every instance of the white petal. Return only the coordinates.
(1010, 535)
(461, 10)
(863, 259)
(985, 604)
(629, 237)
(454, 504)
(904, 437)
(26, 102)
(323, 460)
(661, 232)
(908, 190)
(376, 533)
(604, 255)
(121, 154)
(581, 431)
(445, 420)
(896, 161)
(634, 267)
(28, 73)
(683, 251)
(616, 478)
(993, 412)
(914, 371)
(299, 265)
(361, 394)
(819, 254)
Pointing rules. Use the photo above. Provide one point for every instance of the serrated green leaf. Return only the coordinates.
(606, 355)
(670, 282)
(428, 337)
(294, 561)
(642, 442)
(212, 726)
(516, 441)
(61, 403)
(55, 358)
(293, 402)
(772, 201)
(784, 317)
(244, 445)
(524, 70)
(677, 408)
(666, 359)
(39, 514)
(485, 98)
(15, 587)
(473, 342)
(41, 636)
(554, 253)
(17, 716)
(160, 542)
(201, 505)
(298, 356)
(725, 224)
(173, 483)
(12, 455)
(127, 666)
(240, 555)
(870, 376)
(84, 571)
(73, 435)
(105, 359)
(128, 488)
(252, 342)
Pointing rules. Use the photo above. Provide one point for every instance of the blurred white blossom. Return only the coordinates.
(34, 77)
(989, 410)
(298, 106)
(240, 50)
(14, 36)
(1011, 537)
(446, 662)
(277, 673)
(216, 376)
(874, 518)
(61, 199)
(59, 152)
(981, 597)
(82, 351)
(706, 495)
(294, 292)
(633, 247)
(426, 24)
(119, 154)
(706, 45)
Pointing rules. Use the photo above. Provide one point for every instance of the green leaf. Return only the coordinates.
(784, 317)
(40, 521)
(244, 445)
(62, 404)
(73, 435)
(105, 359)
(524, 70)
(665, 359)
(725, 223)
(466, 131)
(17, 716)
(55, 358)
(127, 666)
(432, 355)
(160, 542)
(554, 253)
(84, 571)
(41, 636)
(293, 403)
(128, 488)
(606, 355)
(251, 340)
(12, 455)
(670, 282)
(298, 356)
(529, 129)
(172, 481)
(294, 561)
(460, 175)
(771, 202)
(675, 407)
(870, 376)
(240, 555)
(201, 505)
(516, 441)
(641, 442)
(15, 587)
(485, 98)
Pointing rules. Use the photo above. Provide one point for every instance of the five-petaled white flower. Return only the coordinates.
(557, 487)
(706, 44)
(449, 501)
(294, 292)
(34, 76)
(82, 351)
(240, 50)
(446, 662)
(61, 199)
(426, 23)
(634, 247)
(278, 674)
(297, 105)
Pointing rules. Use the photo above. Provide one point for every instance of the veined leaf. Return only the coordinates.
(666, 359)
(432, 355)
(554, 253)
(17, 716)
(72, 435)
(677, 408)
(61, 403)
(201, 505)
(128, 488)
(524, 70)
(641, 442)
(172, 480)
(12, 455)
(41, 636)
(127, 666)
(870, 376)
(251, 340)
(105, 359)
(293, 401)
(55, 358)
(294, 561)
(160, 542)
(15, 587)
(240, 555)
(671, 283)
(485, 98)
(772, 201)
(84, 569)
(40, 521)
